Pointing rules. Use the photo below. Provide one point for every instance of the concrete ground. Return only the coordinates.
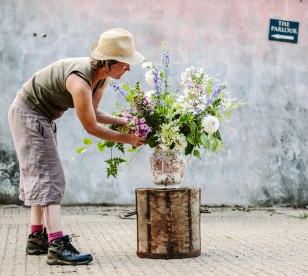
(235, 241)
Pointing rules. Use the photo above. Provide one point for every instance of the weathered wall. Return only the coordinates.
(265, 161)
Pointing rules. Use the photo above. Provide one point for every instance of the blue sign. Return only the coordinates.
(281, 30)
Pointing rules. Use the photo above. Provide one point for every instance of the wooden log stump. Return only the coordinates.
(168, 223)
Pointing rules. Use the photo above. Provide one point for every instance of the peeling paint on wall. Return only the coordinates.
(9, 177)
(286, 179)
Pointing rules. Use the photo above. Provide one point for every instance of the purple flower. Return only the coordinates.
(126, 115)
(135, 120)
(147, 103)
(198, 111)
(144, 130)
(216, 92)
(157, 82)
(117, 88)
(166, 58)
(139, 127)
(209, 101)
(189, 85)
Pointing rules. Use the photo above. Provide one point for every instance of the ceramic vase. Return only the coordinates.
(167, 168)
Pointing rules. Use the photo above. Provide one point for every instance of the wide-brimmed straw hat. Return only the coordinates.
(116, 44)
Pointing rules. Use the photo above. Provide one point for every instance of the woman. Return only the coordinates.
(68, 83)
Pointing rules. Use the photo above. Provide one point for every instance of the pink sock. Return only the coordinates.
(35, 228)
(55, 235)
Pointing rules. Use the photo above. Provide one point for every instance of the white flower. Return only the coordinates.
(180, 143)
(149, 77)
(227, 101)
(150, 93)
(181, 98)
(191, 73)
(210, 124)
(169, 135)
(201, 106)
(147, 65)
(163, 147)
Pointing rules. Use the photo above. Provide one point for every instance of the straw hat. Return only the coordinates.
(117, 44)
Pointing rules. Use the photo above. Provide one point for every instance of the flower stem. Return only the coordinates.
(134, 156)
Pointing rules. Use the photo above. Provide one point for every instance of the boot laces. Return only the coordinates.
(70, 247)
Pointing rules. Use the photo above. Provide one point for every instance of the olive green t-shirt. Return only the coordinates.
(46, 90)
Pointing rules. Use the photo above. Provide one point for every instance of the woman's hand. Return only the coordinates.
(136, 141)
(122, 121)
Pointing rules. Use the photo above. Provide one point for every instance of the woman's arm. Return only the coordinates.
(102, 116)
(106, 118)
(82, 97)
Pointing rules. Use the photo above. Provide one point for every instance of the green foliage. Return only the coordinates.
(126, 87)
(193, 136)
(120, 147)
(152, 141)
(197, 154)
(109, 144)
(113, 166)
(101, 146)
(81, 150)
(87, 141)
(205, 141)
(190, 139)
(189, 148)
(303, 216)
(113, 162)
(132, 149)
(216, 145)
(217, 135)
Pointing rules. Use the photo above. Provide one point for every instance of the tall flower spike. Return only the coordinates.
(166, 58)
(157, 81)
(165, 64)
(117, 88)
(216, 92)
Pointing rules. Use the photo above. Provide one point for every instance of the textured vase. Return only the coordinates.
(167, 168)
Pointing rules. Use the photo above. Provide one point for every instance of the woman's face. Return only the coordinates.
(118, 69)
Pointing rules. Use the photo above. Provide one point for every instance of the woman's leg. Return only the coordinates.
(36, 220)
(60, 249)
(37, 242)
(36, 215)
(52, 218)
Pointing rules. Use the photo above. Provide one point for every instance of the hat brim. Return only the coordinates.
(137, 58)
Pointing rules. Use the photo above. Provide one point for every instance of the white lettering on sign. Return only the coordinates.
(284, 30)
(283, 23)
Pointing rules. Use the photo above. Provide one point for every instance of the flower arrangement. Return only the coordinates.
(187, 121)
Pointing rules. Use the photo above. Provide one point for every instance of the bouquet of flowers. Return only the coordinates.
(187, 120)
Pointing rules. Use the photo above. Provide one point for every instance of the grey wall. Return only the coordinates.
(266, 159)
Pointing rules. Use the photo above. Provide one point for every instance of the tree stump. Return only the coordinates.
(168, 223)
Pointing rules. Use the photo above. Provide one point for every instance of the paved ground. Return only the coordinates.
(235, 241)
